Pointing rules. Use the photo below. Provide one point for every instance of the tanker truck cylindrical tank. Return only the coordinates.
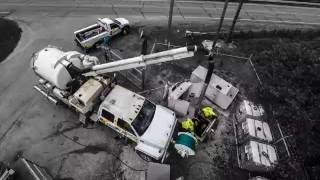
(47, 63)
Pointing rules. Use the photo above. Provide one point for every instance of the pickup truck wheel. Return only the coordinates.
(85, 50)
(144, 156)
(125, 30)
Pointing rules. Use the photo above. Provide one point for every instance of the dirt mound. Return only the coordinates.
(10, 36)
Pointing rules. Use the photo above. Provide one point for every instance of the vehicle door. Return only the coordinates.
(115, 29)
(108, 119)
(127, 130)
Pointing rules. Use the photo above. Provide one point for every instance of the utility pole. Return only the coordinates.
(234, 21)
(222, 18)
(211, 55)
(144, 49)
(170, 20)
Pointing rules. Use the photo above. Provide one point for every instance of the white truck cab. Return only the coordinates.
(133, 116)
(105, 27)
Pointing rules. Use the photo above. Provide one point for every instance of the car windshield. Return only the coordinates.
(117, 22)
(144, 118)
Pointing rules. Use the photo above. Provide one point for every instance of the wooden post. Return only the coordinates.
(220, 23)
(234, 21)
(170, 20)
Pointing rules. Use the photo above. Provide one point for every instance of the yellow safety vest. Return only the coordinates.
(208, 112)
(188, 124)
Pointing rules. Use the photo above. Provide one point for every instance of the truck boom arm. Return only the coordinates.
(142, 61)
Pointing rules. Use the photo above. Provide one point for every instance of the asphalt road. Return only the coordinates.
(158, 9)
(44, 132)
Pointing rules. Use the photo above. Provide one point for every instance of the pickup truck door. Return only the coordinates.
(126, 130)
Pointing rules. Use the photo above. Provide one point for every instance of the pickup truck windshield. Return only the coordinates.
(144, 118)
(117, 22)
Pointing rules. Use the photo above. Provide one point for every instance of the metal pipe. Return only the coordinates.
(282, 137)
(45, 94)
(141, 61)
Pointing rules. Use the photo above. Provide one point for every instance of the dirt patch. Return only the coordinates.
(10, 36)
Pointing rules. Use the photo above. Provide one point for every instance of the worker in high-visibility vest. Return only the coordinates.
(189, 125)
(208, 112)
(106, 48)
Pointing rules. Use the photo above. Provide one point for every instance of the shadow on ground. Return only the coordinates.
(10, 36)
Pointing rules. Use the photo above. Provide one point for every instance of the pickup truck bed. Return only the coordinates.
(93, 30)
(89, 36)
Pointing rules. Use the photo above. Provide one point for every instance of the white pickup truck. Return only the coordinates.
(133, 116)
(87, 37)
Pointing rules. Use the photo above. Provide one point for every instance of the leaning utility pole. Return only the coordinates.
(234, 21)
(222, 17)
(211, 56)
(170, 20)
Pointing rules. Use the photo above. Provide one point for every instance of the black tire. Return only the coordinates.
(125, 30)
(85, 50)
(77, 43)
(145, 157)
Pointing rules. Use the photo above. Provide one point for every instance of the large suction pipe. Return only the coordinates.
(141, 61)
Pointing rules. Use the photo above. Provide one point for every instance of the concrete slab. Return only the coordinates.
(133, 160)
(158, 171)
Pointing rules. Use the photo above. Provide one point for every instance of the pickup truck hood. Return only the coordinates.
(123, 21)
(155, 140)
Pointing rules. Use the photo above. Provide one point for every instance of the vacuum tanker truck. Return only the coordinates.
(82, 83)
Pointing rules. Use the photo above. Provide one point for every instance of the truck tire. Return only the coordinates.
(125, 30)
(145, 157)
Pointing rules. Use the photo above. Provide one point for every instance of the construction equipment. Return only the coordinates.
(23, 169)
(79, 81)
(6, 172)
(219, 91)
(181, 98)
(256, 156)
(185, 144)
